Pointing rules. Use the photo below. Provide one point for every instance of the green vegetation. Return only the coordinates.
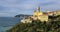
(36, 26)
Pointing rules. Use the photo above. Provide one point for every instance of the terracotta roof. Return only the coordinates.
(50, 12)
(45, 13)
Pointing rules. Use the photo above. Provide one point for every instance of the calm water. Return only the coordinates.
(7, 23)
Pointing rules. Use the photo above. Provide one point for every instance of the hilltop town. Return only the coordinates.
(41, 16)
(38, 22)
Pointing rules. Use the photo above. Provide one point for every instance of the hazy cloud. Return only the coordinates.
(13, 7)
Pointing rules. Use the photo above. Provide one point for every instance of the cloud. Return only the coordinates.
(17, 6)
(13, 7)
(24, 4)
(50, 5)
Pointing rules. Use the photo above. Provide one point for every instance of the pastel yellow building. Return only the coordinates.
(26, 21)
(57, 13)
(39, 15)
(35, 14)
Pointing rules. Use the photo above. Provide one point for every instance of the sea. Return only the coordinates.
(7, 23)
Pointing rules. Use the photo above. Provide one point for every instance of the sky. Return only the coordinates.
(10, 8)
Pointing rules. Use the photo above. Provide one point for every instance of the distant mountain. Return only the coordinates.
(22, 15)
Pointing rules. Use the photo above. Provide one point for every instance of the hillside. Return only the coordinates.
(36, 26)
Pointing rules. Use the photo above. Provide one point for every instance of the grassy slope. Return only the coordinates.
(37, 26)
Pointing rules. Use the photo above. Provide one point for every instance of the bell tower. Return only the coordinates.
(37, 12)
(38, 8)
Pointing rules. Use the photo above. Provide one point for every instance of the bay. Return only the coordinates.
(7, 23)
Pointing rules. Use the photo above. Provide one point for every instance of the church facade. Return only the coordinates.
(38, 15)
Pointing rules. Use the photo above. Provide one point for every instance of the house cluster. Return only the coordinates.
(42, 16)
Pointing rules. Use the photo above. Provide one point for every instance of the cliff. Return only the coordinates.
(36, 26)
